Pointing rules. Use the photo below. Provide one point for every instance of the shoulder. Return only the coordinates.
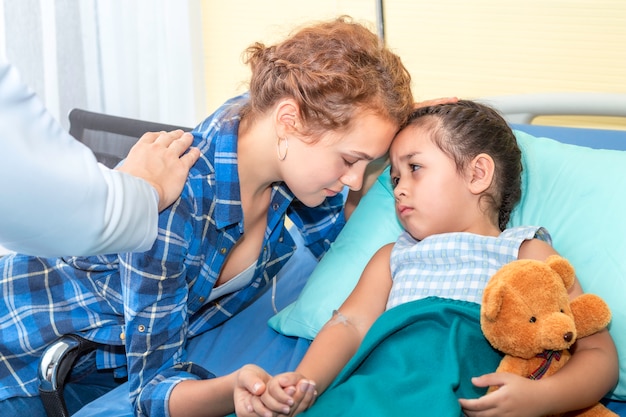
(535, 249)
(225, 116)
(381, 257)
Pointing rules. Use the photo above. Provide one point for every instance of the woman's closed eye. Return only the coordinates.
(350, 162)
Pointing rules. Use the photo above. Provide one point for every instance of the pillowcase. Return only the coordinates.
(577, 193)
(373, 223)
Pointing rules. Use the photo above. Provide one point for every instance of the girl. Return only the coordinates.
(322, 104)
(456, 171)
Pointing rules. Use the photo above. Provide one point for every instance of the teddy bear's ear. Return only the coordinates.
(562, 267)
(492, 300)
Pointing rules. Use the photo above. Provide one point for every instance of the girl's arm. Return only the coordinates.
(341, 336)
(591, 372)
(339, 339)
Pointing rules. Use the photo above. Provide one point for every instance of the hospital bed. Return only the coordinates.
(247, 337)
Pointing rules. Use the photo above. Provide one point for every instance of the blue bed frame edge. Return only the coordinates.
(592, 138)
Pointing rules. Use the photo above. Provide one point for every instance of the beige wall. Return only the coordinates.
(465, 48)
(230, 27)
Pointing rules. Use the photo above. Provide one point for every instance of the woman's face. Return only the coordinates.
(315, 171)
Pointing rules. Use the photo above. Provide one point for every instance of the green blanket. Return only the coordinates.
(417, 359)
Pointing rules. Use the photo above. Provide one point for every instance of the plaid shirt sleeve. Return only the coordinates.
(155, 291)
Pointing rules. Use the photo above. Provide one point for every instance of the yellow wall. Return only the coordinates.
(230, 27)
(465, 48)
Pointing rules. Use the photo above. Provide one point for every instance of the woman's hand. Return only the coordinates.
(436, 101)
(283, 395)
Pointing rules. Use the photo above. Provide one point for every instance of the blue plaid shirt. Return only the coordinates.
(143, 307)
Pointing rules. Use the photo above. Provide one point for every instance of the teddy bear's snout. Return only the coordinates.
(557, 332)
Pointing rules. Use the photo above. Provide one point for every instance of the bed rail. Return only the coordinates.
(523, 108)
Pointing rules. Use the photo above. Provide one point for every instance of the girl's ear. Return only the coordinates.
(481, 173)
(286, 117)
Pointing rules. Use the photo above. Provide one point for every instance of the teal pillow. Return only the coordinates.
(577, 193)
(372, 225)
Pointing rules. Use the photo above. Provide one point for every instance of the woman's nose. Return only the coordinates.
(353, 178)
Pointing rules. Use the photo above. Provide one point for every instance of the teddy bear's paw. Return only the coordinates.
(591, 314)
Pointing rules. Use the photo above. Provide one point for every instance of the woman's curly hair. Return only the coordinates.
(333, 70)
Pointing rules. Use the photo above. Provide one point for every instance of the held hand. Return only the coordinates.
(286, 395)
(250, 383)
(516, 397)
(304, 395)
(156, 158)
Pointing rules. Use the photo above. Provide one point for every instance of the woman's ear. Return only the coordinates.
(481, 173)
(286, 117)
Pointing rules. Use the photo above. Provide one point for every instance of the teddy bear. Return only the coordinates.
(526, 314)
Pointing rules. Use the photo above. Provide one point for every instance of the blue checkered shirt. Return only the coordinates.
(143, 307)
(453, 265)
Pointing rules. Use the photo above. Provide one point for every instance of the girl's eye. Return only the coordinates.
(394, 181)
(414, 167)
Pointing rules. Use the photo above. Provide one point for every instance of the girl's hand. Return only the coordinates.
(284, 395)
(516, 397)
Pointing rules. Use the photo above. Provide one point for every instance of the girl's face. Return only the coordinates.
(315, 171)
(431, 195)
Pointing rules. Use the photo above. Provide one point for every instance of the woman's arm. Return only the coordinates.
(156, 311)
(218, 396)
(590, 373)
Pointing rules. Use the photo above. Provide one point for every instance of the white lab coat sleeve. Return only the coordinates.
(55, 198)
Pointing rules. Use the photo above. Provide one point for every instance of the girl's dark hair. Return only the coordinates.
(333, 69)
(465, 129)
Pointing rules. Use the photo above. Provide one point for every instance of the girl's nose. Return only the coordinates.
(398, 190)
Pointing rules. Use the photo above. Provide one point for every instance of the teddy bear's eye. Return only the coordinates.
(561, 310)
(533, 319)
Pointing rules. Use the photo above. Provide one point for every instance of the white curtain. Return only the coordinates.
(139, 59)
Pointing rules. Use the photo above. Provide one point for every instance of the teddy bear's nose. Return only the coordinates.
(568, 336)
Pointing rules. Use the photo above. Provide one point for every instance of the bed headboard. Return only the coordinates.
(520, 110)
(523, 108)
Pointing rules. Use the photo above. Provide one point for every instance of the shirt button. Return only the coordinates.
(275, 206)
(201, 299)
(280, 239)
(122, 336)
(141, 328)
(223, 251)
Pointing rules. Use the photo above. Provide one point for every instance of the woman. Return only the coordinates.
(322, 105)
